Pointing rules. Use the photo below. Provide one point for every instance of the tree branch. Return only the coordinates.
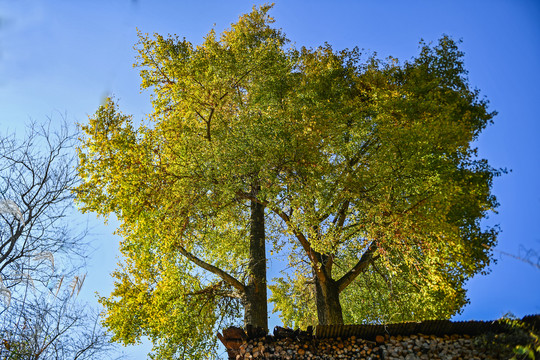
(360, 267)
(213, 269)
(208, 124)
(313, 255)
(4, 261)
(215, 289)
(339, 220)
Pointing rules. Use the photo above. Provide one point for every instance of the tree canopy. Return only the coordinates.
(394, 188)
(194, 244)
(361, 170)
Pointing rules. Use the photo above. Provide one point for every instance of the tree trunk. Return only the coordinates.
(255, 300)
(328, 305)
(327, 289)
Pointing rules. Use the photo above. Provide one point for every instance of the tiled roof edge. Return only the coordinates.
(429, 327)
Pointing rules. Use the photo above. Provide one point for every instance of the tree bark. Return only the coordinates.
(255, 298)
(327, 298)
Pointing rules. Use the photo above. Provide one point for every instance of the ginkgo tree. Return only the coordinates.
(393, 192)
(192, 240)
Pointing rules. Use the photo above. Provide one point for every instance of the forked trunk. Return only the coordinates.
(255, 301)
(327, 289)
(328, 305)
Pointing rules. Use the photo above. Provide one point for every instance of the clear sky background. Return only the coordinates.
(61, 58)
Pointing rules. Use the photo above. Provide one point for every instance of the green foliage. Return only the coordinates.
(526, 338)
(391, 168)
(158, 293)
(519, 341)
(376, 297)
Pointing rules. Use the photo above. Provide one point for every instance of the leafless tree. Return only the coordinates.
(53, 325)
(41, 251)
(37, 174)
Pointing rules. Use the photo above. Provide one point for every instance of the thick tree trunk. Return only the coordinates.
(255, 300)
(328, 305)
(327, 291)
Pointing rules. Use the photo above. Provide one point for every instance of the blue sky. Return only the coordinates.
(61, 58)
